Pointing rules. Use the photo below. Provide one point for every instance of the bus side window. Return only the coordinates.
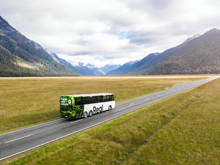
(96, 99)
(101, 98)
(85, 100)
(93, 99)
(79, 101)
(106, 99)
(88, 100)
(76, 101)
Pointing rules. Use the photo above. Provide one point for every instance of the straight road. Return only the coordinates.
(16, 142)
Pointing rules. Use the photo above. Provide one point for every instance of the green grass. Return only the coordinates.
(183, 130)
(27, 101)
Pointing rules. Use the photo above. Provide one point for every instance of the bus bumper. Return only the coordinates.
(68, 115)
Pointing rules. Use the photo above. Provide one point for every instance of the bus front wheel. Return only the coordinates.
(90, 113)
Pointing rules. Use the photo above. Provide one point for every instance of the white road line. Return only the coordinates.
(18, 138)
(27, 128)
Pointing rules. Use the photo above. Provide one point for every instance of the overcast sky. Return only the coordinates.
(101, 32)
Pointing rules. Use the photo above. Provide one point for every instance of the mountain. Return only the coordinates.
(107, 68)
(91, 70)
(20, 56)
(83, 69)
(135, 67)
(88, 70)
(197, 55)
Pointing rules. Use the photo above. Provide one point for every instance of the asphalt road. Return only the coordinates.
(16, 142)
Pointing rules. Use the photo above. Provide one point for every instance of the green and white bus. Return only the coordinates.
(85, 105)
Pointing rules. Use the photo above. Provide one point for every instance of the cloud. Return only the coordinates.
(110, 31)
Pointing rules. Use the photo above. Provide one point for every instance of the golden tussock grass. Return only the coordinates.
(25, 101)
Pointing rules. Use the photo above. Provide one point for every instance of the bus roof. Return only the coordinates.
(89, 95)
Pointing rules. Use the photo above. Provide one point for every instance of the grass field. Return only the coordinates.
(183, 130)
(26, 101)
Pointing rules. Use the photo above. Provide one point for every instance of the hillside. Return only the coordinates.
(200, 55)
(20, 56)
(136, 67)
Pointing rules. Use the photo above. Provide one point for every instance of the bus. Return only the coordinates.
(85, 105)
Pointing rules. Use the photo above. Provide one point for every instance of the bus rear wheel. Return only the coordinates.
(85, 114)
(90, 113)
(110, 108)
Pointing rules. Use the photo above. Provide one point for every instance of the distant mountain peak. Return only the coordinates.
(213, 31)
(210, 32)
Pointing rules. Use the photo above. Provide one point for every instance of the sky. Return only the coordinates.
(101, 32)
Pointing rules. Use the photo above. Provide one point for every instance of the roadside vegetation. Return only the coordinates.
(182, 130)
(26, 101)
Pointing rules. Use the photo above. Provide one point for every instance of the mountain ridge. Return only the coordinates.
(20, 56)
(198, 55)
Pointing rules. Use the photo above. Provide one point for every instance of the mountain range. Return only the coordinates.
(84, 69)
(91, 70)
(197, 55)
(20, 56)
